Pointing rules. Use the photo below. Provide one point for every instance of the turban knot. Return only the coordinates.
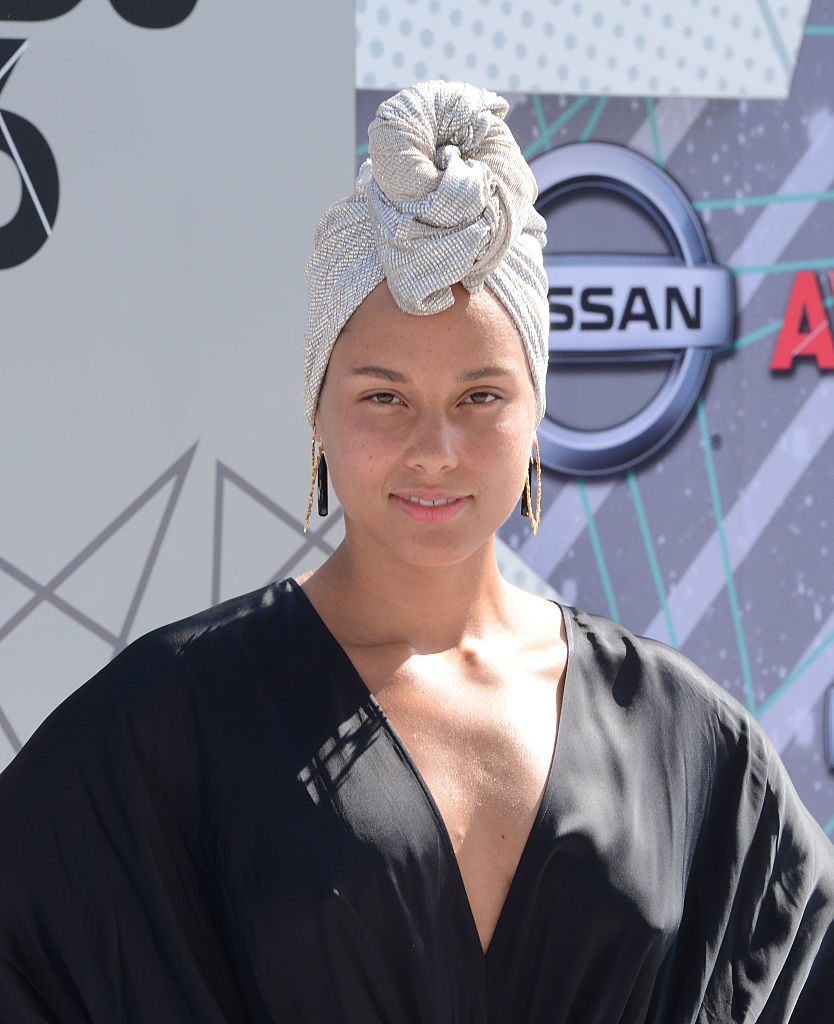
(445, 196)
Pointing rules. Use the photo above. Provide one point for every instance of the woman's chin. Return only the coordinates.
(440, 552)
(422, 545)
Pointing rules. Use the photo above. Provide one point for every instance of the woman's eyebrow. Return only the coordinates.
(401, 378)
(485, 371)
(380, 371)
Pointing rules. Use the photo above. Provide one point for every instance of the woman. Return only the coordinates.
(399, 789)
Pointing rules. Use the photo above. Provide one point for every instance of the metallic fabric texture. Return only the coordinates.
(445, 196)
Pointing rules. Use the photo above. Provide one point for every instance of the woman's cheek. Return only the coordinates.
(505, 440)
(371, 440)
(362, 451)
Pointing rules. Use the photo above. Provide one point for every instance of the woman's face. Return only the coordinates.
(427, 424)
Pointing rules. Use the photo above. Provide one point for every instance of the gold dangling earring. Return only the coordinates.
(526, 497)
(315, 462)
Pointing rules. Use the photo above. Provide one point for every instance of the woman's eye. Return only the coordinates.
(481, 397)
(384, 398)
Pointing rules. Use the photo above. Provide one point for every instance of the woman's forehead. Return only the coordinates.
(474, 327)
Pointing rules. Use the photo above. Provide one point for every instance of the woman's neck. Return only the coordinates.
(381, 600)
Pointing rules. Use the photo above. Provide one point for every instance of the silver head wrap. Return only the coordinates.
(445, 196)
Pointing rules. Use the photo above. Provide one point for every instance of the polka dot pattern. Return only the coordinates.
(653, 48)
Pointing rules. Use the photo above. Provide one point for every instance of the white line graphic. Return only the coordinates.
(24, 174)
(778, 474)
(784, 718)
(15, 57)
(674, 118)
(775, 37)
(563, 523)
(779, 223)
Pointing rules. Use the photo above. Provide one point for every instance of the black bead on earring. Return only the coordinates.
(527, 497)
(321, 485)
(525, 507)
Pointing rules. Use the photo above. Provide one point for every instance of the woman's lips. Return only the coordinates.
(434, 509)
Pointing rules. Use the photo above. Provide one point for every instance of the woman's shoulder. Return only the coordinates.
(655, 704)
(645, 675)
(269, 611)
(195, 647)
(171, 681)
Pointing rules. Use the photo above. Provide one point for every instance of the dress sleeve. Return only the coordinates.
(764, 891)
(102, 918)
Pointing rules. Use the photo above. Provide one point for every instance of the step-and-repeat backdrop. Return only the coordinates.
(163, 167)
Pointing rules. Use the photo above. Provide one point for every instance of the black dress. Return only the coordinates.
(221, 826)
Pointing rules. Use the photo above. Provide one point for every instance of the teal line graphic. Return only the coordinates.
(735, 611)
(543, 142)
(652, 556)
(747, 339)
(761, 332)
(775, 37)
(829, 828)
(823, 263)
(797, 672)
(539, 109)
(778, 197)
(613, 611)
(362, 149)
(819, 30)
(658, 154)
(587, 131)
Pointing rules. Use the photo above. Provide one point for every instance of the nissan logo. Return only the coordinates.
(617, 308)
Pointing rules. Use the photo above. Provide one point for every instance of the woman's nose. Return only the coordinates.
(432, 447)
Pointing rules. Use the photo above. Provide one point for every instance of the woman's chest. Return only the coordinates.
(482, 743)
(337, 864)
(326, 832)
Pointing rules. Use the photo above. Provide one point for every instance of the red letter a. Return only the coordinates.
(805, 329)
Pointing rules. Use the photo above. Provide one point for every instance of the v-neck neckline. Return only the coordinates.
(548, 790)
